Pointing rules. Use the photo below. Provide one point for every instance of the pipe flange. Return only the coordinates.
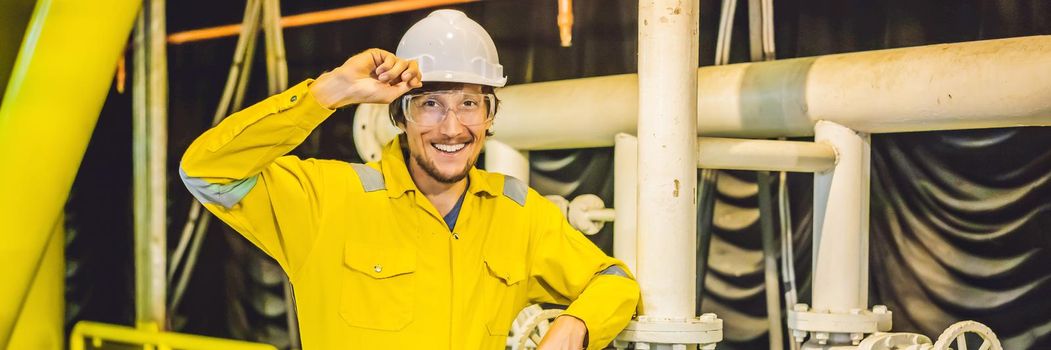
(579, 213)
(704, 330)
(856, 321)
(372, 130)
(893, 341)
(561, 202)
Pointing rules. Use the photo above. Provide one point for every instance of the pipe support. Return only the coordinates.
(841, 237)
(764, 155)
(501, 158)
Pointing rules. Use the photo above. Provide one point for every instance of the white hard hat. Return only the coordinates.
(452, 48)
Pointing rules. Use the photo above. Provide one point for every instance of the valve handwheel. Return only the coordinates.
(530, 326)
(955, 337)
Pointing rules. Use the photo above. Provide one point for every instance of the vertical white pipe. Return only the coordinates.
(625, 196)
(841, 230)
(501, 158)
(667, 129)
(150, 158)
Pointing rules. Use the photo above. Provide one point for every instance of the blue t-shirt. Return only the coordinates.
(450, 218)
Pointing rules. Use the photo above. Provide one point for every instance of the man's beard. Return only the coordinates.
(432, 170)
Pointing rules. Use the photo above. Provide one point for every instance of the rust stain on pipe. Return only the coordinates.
(565, 22)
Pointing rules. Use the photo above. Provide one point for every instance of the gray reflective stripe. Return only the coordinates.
(515, 189)
(371, 179)
(614, 270)
(225, 195)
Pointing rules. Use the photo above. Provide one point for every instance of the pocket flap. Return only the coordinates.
(509, 271)
(379, 262)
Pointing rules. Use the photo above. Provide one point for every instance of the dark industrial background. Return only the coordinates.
(961, 220)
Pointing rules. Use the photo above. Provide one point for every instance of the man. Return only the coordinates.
(420, 250)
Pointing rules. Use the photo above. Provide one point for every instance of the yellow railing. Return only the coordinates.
(100, 333)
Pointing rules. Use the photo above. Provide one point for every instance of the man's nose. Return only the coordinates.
(451, 125)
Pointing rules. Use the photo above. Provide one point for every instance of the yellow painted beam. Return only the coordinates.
(39, 325)
(14, 15)
(101, 333)
(57, 87)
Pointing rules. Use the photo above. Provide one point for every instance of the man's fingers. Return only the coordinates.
(403, 87)
(394, 74)
(392, 92)
(412, 72)
(384, 62)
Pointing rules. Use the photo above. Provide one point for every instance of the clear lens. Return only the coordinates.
(431, 108)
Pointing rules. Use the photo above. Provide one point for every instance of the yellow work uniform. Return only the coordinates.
(372, 262)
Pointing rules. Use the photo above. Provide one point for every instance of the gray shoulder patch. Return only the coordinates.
(225, 195)
(615, 270)
(371, 179)
(515, 190)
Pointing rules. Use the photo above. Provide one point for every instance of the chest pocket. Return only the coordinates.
(505, 289)
(379, 285)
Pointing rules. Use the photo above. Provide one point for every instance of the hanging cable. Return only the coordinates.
(706, 192)
(766, 223)
(709, 177)
(196, 223)
(725, 34)
(184, 239)
(277, 80)
(761, 47)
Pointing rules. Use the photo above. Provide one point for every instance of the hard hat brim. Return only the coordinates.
(447, 76)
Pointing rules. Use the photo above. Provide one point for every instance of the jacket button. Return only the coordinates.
(378, 268)
(294, 98)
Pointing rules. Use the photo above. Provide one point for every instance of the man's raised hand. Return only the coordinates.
(372, 76)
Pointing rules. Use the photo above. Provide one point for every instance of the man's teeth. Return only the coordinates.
(449, 148)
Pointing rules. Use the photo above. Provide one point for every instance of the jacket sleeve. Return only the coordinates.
(239, 172)
(567, 269)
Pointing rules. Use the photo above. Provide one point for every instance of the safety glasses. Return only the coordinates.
(431, 108)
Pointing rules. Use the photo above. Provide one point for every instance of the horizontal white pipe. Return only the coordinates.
(979, 84)
(604, 215)
(768, 155)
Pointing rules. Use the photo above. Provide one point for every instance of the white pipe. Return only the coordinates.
(150, 158)
(667, 216)
(991, 83)
(625, 194)
(501, 158)
(841, 230)
(603, 215)
(769, 155)
(979, 84)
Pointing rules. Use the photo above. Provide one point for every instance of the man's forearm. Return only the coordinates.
(605, 307)
(249, 140)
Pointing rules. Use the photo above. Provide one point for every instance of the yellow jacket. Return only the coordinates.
(373, 264)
